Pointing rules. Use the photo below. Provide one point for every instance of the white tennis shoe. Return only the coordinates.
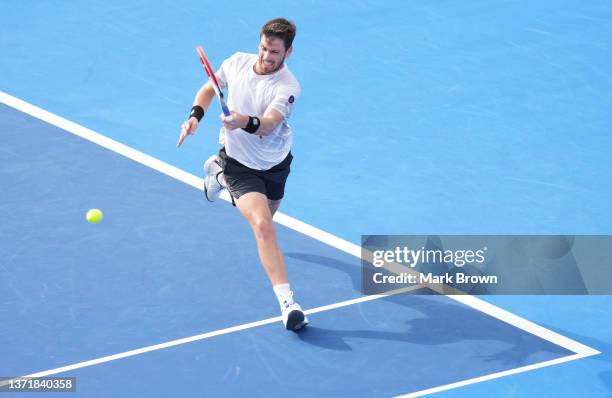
(293, 316)
(213, 178)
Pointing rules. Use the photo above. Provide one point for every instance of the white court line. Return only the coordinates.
(581, 350)
(492, 376)
(202, 336)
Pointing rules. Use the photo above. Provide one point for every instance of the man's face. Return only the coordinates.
(272, 54)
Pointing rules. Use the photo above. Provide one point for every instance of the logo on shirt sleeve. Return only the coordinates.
(291, 99)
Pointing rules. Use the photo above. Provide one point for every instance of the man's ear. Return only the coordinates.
(289, 51)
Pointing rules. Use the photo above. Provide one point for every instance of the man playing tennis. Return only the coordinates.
(254, 160)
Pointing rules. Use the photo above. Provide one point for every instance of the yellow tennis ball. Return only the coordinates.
(94, 216)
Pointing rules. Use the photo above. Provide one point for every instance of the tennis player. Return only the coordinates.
(254, 160)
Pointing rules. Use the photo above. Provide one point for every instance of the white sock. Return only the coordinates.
(283, 292)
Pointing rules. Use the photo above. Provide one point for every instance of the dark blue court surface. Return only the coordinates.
(380, 348)
(165, 264)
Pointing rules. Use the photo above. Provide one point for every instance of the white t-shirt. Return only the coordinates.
(252, 94)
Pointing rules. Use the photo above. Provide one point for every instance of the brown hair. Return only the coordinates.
(280, 28)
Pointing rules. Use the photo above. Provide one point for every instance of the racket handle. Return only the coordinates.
(226, 111)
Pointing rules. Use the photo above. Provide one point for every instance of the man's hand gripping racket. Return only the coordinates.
(189, 126)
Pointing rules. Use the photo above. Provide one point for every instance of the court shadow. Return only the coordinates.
(336, 339)
(431, 320)
(351, 269)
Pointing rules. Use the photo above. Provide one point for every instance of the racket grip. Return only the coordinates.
(227, 113)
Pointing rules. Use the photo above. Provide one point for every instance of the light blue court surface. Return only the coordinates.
(416, 117)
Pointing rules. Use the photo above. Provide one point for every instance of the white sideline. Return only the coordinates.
(580, 350)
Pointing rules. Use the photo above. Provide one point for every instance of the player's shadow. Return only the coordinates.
(439, 321)
(352, 269)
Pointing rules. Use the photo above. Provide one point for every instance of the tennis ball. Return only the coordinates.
(94, 216)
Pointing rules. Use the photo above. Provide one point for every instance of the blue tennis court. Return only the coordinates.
(427, 117)
(150, 274)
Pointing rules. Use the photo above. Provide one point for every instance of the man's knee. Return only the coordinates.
(263, 228)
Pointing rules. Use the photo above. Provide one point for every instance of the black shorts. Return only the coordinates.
(241, 179)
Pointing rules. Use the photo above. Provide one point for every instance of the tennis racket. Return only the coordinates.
(213, 79)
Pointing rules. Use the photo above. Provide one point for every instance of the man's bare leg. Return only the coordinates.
(258, 211)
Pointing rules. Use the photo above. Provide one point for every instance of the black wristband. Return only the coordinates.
(253, 125)
(197, 112)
